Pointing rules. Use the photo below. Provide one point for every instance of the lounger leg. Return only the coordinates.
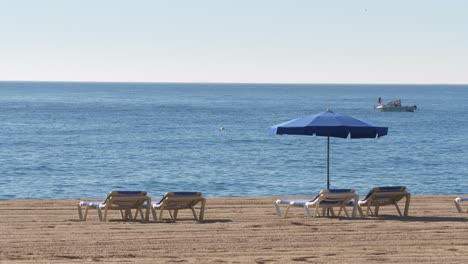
(86, 213)
(286, 211)
(155, 216)
(194, 213)
(398, 209)
(137, 211)
(457, 205)
(339, 211)
(353, 214)
(367, 211)
(332, 212)
(129, 214)
(359, 208)
(316, 213)
(377, 210)
(202, 210)
(278, 211)
(122, 216)
(408, 198)
(80, 213)
(345, 211)
(176, 212)
(99, 213)
(355, 205)
(170, 214)
(148, 208)
(141, 214)
(307, 211)
(105, 215)
(161, 210)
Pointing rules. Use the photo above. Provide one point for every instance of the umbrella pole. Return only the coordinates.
(328, 163)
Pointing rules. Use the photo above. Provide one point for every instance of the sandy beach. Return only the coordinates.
(235, 230)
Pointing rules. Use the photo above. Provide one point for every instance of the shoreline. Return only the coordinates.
(160, 195)
(242, 230)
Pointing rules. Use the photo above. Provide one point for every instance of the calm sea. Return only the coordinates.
(72, 140)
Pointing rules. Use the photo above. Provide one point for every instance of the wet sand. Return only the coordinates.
(235, 230)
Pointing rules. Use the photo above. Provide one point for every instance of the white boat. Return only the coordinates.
(395, 106)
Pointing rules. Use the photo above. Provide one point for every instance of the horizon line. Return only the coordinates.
(227, 82)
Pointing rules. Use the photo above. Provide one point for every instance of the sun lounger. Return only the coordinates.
(326, 199)
(382, 196)
(175, 201)
(458, 202)
(123, 201)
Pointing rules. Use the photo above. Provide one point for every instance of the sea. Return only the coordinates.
(77, 139)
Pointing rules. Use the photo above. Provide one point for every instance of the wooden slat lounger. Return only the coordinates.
(124, 201)
(383, 196)
(175, 201)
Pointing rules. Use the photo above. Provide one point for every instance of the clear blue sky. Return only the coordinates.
(289, 41)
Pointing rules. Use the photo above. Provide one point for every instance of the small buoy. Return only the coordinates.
(221, 129)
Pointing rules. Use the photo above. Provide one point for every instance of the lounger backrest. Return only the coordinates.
(384, 189)
(340, 190)
(126, 199)
(383, 195)
(181, 200)
(335, 191)
(335, 195)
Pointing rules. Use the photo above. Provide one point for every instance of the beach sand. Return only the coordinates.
(235, 230)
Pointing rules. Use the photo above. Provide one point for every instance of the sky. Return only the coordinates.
(235, 41)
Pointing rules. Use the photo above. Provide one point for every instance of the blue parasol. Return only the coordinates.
(329, 124)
